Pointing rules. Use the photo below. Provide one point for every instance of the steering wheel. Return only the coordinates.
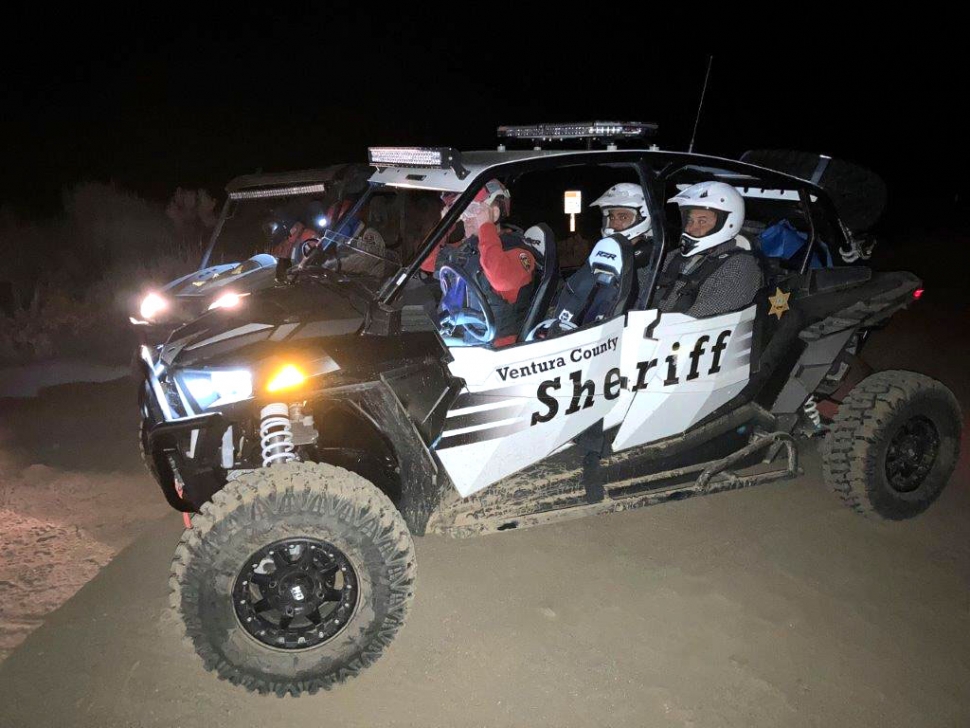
(464, 305)
(320, 258)
(303, 249)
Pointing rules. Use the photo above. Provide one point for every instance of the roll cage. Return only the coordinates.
(654, 168)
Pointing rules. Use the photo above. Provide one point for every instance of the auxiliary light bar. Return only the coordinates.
(580, 130)
(433, 157)
(278, 192)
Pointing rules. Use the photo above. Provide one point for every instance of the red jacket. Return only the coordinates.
(507, 271)
(285, 249)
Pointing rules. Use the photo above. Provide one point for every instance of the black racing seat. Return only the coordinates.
(542, 237)
(599, 290)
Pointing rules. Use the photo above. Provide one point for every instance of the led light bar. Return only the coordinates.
(278, 192)
(433, 157)
(580, 130)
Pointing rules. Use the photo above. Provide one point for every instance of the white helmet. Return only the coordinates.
(625, 194)
(720, 197)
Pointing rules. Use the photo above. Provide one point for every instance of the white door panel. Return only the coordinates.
(692, 367)
(523, 402)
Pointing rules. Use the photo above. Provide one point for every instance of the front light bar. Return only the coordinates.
(580, 130)
(316, 189)
(432, 157)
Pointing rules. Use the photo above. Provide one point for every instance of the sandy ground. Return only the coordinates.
(73, 493)
(770, 606)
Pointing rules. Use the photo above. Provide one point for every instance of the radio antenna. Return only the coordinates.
(707, 76)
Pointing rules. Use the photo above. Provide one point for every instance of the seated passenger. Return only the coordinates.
(499, 261)
(710, 274)
(625, 212)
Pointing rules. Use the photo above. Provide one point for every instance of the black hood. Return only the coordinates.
(298, 315)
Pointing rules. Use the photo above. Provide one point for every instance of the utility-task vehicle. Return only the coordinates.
(315, 428)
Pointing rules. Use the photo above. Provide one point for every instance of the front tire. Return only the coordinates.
(334, 598)
(893, 444)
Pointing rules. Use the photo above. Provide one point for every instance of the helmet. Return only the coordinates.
(495, 193)
(719, 197)
(277, 226)
(626, 195)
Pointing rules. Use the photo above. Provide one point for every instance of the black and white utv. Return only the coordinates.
(319, 425)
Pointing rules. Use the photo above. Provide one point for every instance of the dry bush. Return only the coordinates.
(193, 213)
(74, 279)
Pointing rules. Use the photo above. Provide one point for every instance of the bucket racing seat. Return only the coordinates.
(544, 241)
(599, 290)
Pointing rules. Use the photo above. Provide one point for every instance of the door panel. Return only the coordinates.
(523, 402)
(689, 369)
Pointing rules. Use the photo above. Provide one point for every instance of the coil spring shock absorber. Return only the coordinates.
(276, 434)
(810, 408)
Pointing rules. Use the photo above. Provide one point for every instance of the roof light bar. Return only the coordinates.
(278, 192)
(580, 130)
(434, 157)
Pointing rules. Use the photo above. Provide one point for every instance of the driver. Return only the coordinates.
(711, 274)
(498, 259)
(288, 232)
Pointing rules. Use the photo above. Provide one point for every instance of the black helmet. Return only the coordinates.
(278, 225)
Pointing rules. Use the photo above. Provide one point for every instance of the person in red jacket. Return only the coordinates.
(286, 232)
(497, 258)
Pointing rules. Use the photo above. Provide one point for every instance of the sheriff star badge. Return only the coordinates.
(779, 303)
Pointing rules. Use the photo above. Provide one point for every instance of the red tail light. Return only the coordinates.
(917, 294)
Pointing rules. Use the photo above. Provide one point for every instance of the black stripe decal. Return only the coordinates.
(484, 417)
(492, 433)
(490, 396)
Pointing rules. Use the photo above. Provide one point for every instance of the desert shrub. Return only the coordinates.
(72, 280)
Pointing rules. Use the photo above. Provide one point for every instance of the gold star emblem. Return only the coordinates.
(779, 303)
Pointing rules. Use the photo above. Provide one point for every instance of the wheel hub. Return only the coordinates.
(911, 454)
(295, 594)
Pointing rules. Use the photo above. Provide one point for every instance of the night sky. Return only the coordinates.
(158, 98)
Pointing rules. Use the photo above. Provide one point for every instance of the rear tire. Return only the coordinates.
(893, 444)
(311, 503)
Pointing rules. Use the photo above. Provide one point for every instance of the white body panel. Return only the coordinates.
(664, 407)
(513, 432)
(523, 402)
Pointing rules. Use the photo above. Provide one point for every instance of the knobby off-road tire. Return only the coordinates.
(283, 504)
(893, 444)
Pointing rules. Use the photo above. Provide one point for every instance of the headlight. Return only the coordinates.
(151, 306)
(215, 387)
(227, 300)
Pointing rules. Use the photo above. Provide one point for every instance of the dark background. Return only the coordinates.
(156, 98)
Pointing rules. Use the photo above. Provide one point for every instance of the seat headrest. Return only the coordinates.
(538, 237)
(607, 255)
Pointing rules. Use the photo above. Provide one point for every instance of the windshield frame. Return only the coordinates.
(233, 197)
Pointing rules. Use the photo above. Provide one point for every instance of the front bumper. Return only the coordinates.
(187, 450)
